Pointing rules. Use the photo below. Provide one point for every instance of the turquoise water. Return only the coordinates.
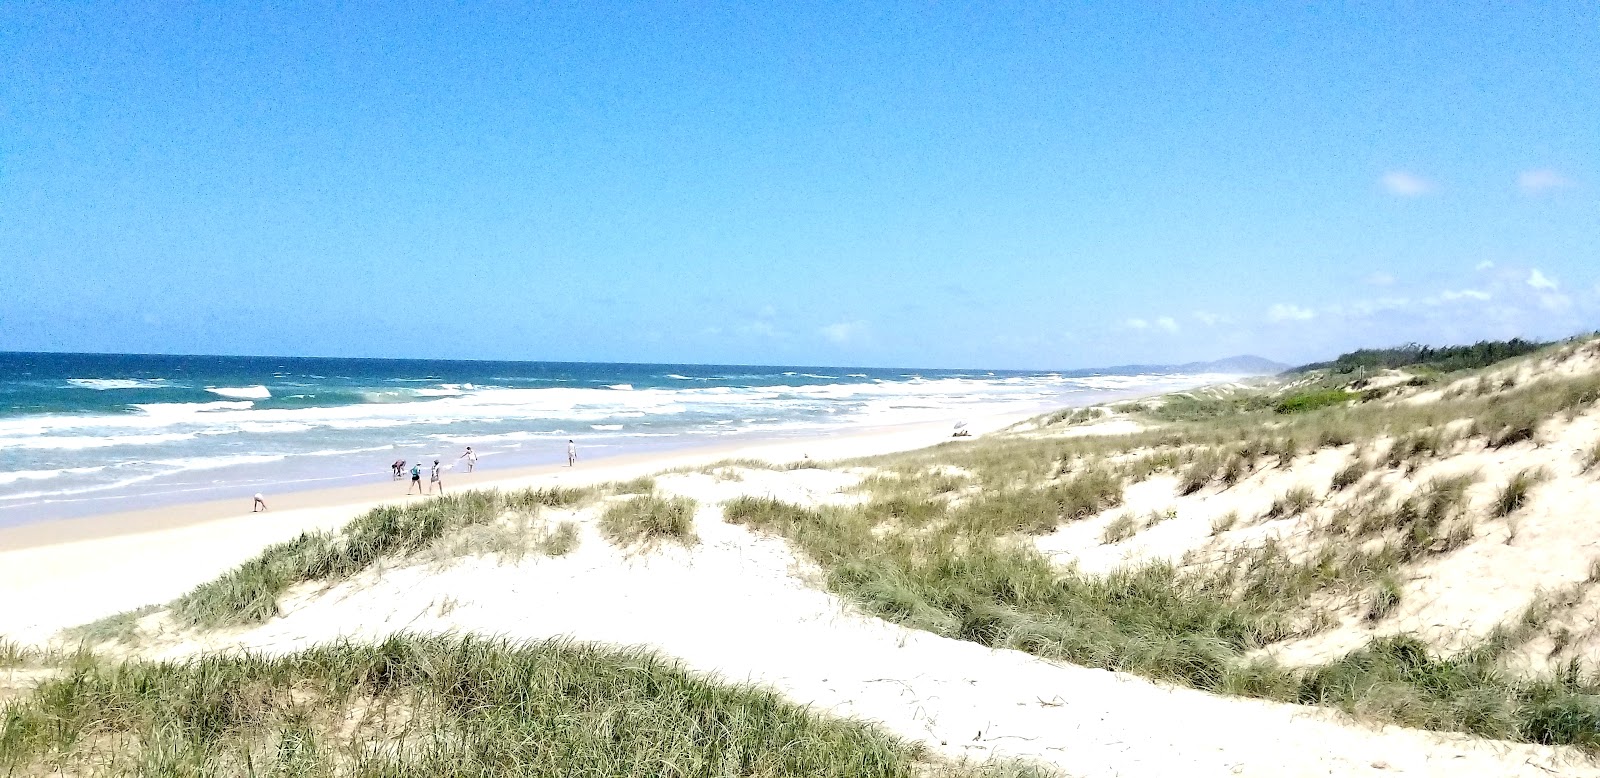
(90, 433)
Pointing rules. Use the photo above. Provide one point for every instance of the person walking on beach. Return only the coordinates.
(572, 453)
(433, 478)
(416, 478)
(260, 504)
(472, 459)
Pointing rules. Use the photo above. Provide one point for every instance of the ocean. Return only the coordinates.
(91, 433)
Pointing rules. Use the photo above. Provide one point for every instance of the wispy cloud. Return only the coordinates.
(1380, 278)
(1484, 265)
(1541, 181)
(1163, 323)
(1403, 184)
(759, 328)
(1212, 319)
(1539, 280)
(844, 332)
(1285, 312)
(1465, 294)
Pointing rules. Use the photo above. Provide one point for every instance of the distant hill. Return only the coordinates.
(1244, 364)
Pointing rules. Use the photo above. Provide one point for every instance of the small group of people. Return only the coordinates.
(397, 470)
(435, 474)
(435, 477)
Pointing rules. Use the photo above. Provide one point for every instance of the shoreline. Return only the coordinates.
(356, 499)
(104, 564)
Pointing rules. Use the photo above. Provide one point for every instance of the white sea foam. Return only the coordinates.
(257, 392)
(239, 441)
(103, 384)
(561, 404)
(41, 475)
(80, 442)
(213, 463)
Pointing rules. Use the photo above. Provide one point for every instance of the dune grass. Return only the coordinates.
(649, 518)
(1589, 460)
(116, 628)
(1515, 494)
(249, 593)
(960, 572)
(964, 580)
(14, 654)
(644, 484)
(563, 540)
(436, 706)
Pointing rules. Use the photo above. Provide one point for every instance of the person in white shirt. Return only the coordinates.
(472, 459)
(572, 453)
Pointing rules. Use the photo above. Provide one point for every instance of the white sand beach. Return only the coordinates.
(739, 605)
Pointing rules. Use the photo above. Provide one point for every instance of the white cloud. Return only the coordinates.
(767, 312)
(1163, 323)
(1404, 184)
(1484, 265)
(1539, 280)
(1540, 181)
(1283, 312)
(761, 328)
(1211, 319)
(844, 332)
(1380, 279)
(1465, 294)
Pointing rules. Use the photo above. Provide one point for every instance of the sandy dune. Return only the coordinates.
(742, 606)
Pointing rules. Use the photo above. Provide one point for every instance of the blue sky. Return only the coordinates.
(932, 185)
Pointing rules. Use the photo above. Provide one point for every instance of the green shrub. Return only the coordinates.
(1446, 359)
(1311, 401)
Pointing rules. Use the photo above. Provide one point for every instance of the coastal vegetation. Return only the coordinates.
(960, 563)
(438, 706)
(648, 518)
(250, 592)
(1444, 359)
(1333, 492)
